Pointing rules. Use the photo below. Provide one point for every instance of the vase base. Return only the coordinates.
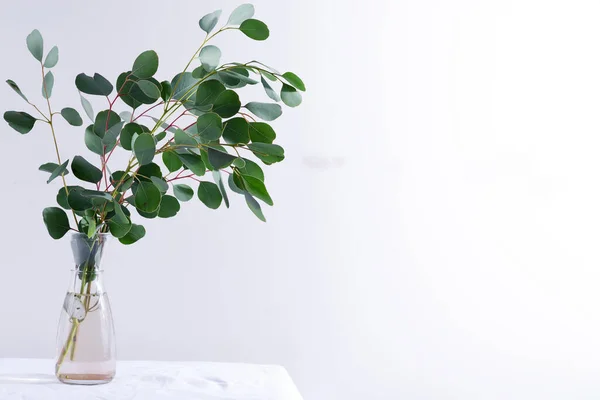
(85, 379)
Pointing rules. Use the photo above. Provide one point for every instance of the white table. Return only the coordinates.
(32, 379)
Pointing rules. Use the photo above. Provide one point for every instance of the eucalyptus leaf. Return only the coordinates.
(210, 195)
(48, 167)
(265, 111)
(87, 107)
(257, 188)
(56, 221)
(96, 85)
(85, 171)
(209, 21)
(294, 80)
(219, 182)
(241, 14)
(169, 207)
(182, 83)
(183, 192)
(48, 85)
(105, 120)
(145, 65)
(20, 121)
(144, 148)
(236, 131)
(76, 200)
(16, 88)
(194, 163)
(160, 183)
(261, 132)
(233, 185)
(254, 206)
(166, 90)
(171, 161)
(227, 104)
(93, 141)
(71, 116)
(255, 29)
(251, 168)
(59, 170)
(219, 158)
(267, 153)
(269, 90)
(236, 76)
(210, 57)
(136, 233)
(149, 89)
(208, 92)
(290, 96)
(209, 126)
(147, 197)
(127, 134)
(51, 58)
(35, 44)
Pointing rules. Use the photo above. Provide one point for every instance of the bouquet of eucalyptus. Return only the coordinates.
(194, 124)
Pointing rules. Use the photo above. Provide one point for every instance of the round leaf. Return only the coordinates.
(51, 58)
(219, 158)
(146, 65)
(209, 21)
(208, 92)
(194, 163)
(93, 141)
(236, 131)
(71, 116)
(290, 96)
(56, 221)
(251, 168)
(144, 148)
(255, 29)
(257, 188)
(181, 84)
(19, 121)
(240, 14)
(183, 192)
(104, 121)
(209, 127)
(261, 132)
(209, 194)
(169, 207)
(265, 111)
(35, 44)
(210, 57)
(267, 153)
(165, 90)
(171, 161)
(149, 89)
(127, 134)
(136, 233)
(85, 171)
(227, 104)
(147, 197)
(294, 80)
(96, 85)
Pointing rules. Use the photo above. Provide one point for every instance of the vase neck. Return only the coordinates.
(87, 252)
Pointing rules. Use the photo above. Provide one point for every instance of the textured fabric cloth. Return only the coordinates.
(33, 379)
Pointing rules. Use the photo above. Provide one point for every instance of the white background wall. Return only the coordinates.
(436, 222)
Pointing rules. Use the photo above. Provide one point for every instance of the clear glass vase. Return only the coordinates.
(86, 336)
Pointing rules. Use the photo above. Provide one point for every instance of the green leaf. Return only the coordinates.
(166, 90)
(20, 121)
(147, 197)
(252, 169)
(295, 81)
(290, 96)
(233, 78)
(183, 192)
(87, 107)
(56, 171)
(85, 171)
(241, 14)
(210, 57)
(219, 158)
(257, 188)
(136, 233)
(93, 141)
(208, 92)
(171, 161)
(71, 116)
(209, 194)
(76, 199)
(181, 84)
(194, 163)
(16, 88)
(148, 171)
(219, 182)
(91, 222)
(119, 224)
(110, 137)
(261, 132)
(61, 198)
(116, 177)
(254, 206)
(48, 85)
(255, 29)
(169, 207)
(265, 111)
(209, 21)
(269, 90)
(144, 148)
(236, 131)
(269, 75)
(199, 72)
(233, 185)
(127, 134)
(35, 44)
(160, 183)
(149, 89)
(183, 138)
(51, 58)
(160, 136)
(146, 65)
(96, 85)
(56, 221)
(104, 121)
(267, 153)
(209, 127)
(227, 104)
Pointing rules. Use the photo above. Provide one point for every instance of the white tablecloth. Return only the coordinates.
(32, 379)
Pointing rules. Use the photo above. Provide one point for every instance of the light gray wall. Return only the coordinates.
(435, 228)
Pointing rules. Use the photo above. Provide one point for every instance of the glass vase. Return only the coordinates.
(86, 338)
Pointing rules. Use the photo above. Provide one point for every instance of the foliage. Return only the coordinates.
(192, 123)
